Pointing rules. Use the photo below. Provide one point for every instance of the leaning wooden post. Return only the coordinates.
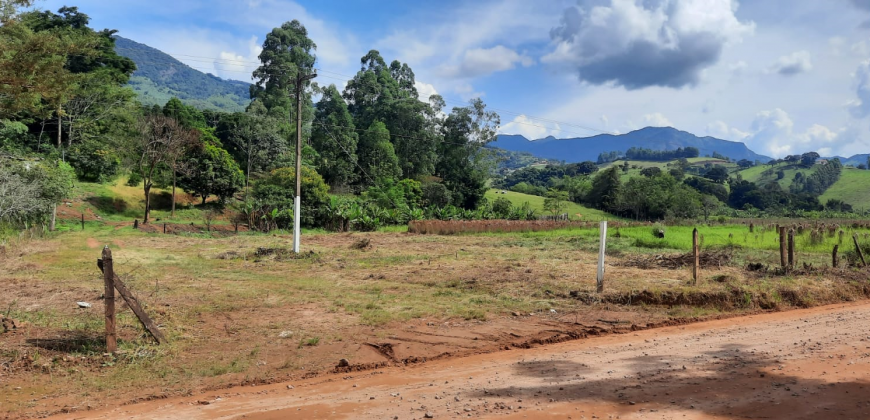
(834, 260)
(858, 250)
(109, 295)
(601, 249)
(791, 248)
(782, 248)
(696, 252)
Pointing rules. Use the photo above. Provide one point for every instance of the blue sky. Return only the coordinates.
(784, 76)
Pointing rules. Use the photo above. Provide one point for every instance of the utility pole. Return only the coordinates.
(297, 201)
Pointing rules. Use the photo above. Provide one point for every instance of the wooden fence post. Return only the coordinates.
(834, 260)
(601, 249)
(83, 221)
(791, 248)
(696, 252)
(164, 228)
(858, 250)
(109, 299)
(782, 248)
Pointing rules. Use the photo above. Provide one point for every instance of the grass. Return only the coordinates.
(537, 203)
(853, 187)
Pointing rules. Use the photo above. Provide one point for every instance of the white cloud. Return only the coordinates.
(637, 44)
(466, 92)
(860, 108)
(530, 129)
(794, 63)
(424, 90)
(773, 134)
(656, 119)
(721, 130)
(485, 61)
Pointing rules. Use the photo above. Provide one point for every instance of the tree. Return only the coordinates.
(809, 159)
(334, 137)
(605, 189)
(210, 170)
(650, 172)
(275, 192)
(555, 202)
(717, 174)
(158, 143)
(709, 204)
(462, 157)
(745, 163)
(256, 140)
(376, 154)
(287, 53)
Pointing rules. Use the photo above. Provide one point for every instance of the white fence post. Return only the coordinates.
(601, 250)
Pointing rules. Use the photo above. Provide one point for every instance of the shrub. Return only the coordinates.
(93, 161)
(274, 196)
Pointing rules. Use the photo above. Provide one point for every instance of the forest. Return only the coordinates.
(374, 153)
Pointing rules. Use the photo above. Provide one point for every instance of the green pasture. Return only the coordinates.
(537, 203)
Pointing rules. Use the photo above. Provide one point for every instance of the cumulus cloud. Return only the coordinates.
(794, 63)
(485, 61)
(530, 129)
(424, 91)
(721, 130)
(773, 134)
(641, 43)
(656, 120)
(466, 92)
(861, 107)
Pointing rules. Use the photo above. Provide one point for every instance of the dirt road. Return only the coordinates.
(804, 364)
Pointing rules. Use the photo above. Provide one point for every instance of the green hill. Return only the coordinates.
(853, 188)
(159, 77)
(764, 174)
(537, 203)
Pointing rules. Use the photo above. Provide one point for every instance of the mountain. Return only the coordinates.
(159, 77)
(656, 138)
(855, 160)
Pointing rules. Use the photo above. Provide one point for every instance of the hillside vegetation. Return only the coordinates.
(159, 77)
(852, 188)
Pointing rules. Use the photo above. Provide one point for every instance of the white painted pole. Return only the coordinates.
(297, 223)
(602, 248)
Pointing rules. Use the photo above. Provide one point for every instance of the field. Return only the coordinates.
(537, 203)
(664, 166)
(853, 187)
(241, 309)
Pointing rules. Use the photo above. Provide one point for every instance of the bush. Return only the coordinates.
(274, 196)
(502, 207)
(93, 161)
(434, 194)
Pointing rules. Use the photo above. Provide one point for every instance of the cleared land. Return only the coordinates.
(537, 203)
(238, 309)
(805, 364)
(853, 187)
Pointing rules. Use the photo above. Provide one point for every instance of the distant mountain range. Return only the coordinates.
(655, 138)
(159, 77)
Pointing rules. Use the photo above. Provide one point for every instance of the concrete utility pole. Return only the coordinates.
(297, 201)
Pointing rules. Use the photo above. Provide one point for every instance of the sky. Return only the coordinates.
(782, 76)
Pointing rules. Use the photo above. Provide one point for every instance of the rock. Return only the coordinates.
(83, 304)
(7, 324)
(428, 416)
(289, 386)
(285, 334)
(343, 363)
(515, 313)
(552, 311)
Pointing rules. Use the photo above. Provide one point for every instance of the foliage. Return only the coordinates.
(544, 177)
(274, 194)
(605, 190)
(29, 191)
(287, 53)
(435, 194)
(94, 161)
(708, 187)
(377, 155)
(335, 139)
(555, 202)
(639, 153)
(717, 174)
(820, 180)
(210, 170)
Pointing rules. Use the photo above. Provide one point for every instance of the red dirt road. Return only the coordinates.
(803, 364)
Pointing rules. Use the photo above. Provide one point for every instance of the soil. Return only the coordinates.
(801, 364)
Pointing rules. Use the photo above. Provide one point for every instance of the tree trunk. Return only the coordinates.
(53, 217)
(147, 201)
(204, 196)
(59, 126)
(172, 214)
